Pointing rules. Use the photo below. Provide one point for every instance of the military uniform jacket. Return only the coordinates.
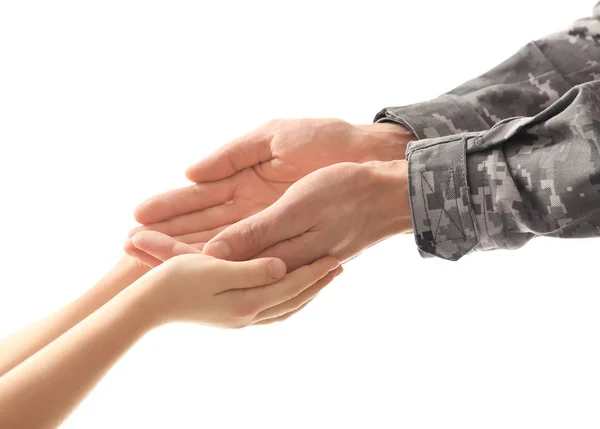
(512, 154)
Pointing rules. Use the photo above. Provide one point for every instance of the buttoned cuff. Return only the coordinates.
(441, 206)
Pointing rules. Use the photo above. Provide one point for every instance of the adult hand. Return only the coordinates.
(338, 210)
(251, 173)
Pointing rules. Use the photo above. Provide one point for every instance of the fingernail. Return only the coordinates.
(277, 269)
(334, 267)
(218, 249)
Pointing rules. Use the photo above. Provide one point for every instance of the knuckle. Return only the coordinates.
(252, 234)
(236, 159)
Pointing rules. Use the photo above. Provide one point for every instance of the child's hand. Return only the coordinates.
(194, 287)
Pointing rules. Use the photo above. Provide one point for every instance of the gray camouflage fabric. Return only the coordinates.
(512, 154)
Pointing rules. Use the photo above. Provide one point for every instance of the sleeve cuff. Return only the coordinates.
(444, 116)
(441, 207)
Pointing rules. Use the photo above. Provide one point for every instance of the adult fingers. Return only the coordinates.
(203, 220)
(298, 251)
(184, 200)
(248, 237)
(246, 151)
(201, 237)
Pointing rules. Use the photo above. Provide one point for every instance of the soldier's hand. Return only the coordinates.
(251, 173)
(338, 211)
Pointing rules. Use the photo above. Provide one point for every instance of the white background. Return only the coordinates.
(105, 103)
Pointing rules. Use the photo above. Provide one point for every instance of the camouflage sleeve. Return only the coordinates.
(525, 177)
(525, 84)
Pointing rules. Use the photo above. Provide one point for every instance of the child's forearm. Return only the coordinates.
(44, 389)
(23, 344)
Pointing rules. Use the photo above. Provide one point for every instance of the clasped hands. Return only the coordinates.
(309, 191)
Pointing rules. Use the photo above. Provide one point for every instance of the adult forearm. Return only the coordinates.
(526, 177)
(23, 344)
(523, 85)
(55, 379)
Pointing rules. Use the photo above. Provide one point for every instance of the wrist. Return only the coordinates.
(152, 295)
(164, 299)
(384, 141)
(395, 207)
(126, 271)
(138, 303)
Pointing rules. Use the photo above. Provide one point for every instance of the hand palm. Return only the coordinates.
(297, 150)
(246, 176)
(337, 211)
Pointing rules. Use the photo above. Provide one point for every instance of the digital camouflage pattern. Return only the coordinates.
(512, 154)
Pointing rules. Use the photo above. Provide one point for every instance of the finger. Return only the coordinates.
(204, 220)
(248, 237)
(161, 246)
(254, 273)
(147, 259)
(201, 237)
(298, 251)
(184, 200)
(301, 299)
(198, 246)
(291, 313)
(246, 151)
(256, 300)
(281, 318)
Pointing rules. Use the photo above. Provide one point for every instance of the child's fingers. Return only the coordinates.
(133, 251)
(161, 246)
(295, 303)
(253, 273)
(286, 316)
(253, 301)
(283, 317)
(198, 246)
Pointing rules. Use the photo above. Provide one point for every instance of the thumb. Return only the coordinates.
(161, 246)
(247, 238)
(256, 272)
(244, 152)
